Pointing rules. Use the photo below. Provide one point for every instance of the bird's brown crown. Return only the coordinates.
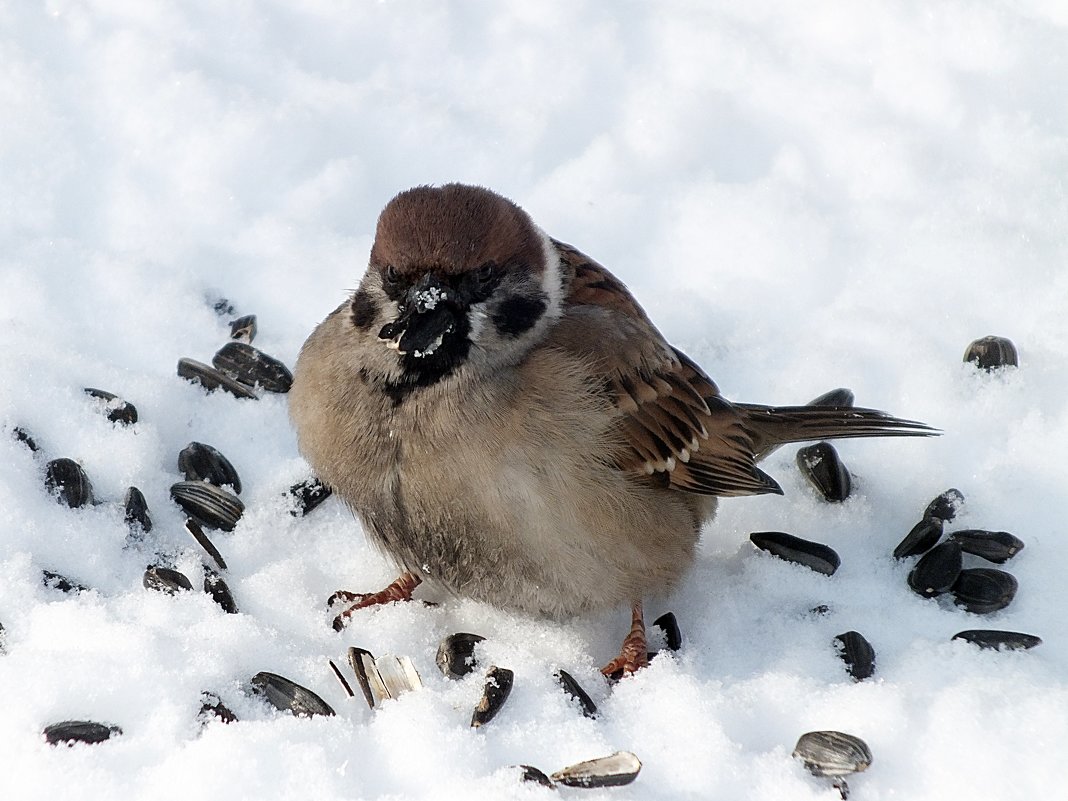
(452, 229)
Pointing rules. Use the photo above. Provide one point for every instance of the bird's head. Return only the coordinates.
(458, 275)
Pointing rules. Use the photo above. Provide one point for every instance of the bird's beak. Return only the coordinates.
(427, 316)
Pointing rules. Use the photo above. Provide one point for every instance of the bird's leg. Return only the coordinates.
(635, 651)
(399, 590)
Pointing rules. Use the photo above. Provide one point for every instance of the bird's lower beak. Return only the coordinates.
(428, 316)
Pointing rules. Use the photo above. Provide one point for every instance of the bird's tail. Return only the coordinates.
(772, 426)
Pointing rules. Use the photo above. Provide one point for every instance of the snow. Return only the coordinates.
(802, 196)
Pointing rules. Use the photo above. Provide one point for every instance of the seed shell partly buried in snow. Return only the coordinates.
(832, 753)
(937, 570)
(243, 329)
(116, 409)
(994, 546)
(993, 639)
(79, 731)
(210, 505)
(669, 624)
(200, 462)
(253, 367)
(308, 495)
(991, 353)
(529, 773)
(822, 466)
(574, 689)
(210, 378)
(21, 435)
(456, 654)
(983, 589)
(165, 579)
(55, 581)
(613, 770)
(212, 708)
(813, 555)
(68, 482)
(920, 539)
(219, 590)
(946, 505)
(289, 696)
(857, 653)
(193, 527)
(495, 692)
(136, 510)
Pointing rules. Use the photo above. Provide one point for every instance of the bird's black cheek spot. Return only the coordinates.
(518, 314)
(364, 310)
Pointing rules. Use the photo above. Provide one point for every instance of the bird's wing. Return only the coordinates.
(677, 428)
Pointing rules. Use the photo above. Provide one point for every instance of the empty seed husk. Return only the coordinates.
(165, 579)
(208, 504)
(832, 753)
(398, 674)
(289, 696)
(574, 689)
(984, 589)
(211, 379)
(200, 462)
(840, 398)
(55, 581)
(994, 546)
(65, 479)
(136, 510)
(79, 731)
(243, 329)
(253, 367)
(219, 590)
(920, 539)
(857, 653)
(813, 555)
(946, 505)
(613, 770)
(456, 654)
(822, 466)
(994, 639)
(212, 708)
(193, 527)
(308, 494)
(669, 624)
(116, 409)
(362, 663)
(341, 678)
(495, 692)
(991, 353)
(937, 570)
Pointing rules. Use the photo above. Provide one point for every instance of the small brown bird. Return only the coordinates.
(508, 424)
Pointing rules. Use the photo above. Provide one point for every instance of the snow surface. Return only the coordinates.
(802, 195)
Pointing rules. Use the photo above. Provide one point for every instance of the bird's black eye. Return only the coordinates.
(392, 276)
(486, 273)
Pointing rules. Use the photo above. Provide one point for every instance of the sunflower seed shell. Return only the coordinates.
(857, 653)
(210, 505)
(613, 770)
(79, 731)
(200, 462)
(288, 696)
(992, 353)
(495, 692)
(66, 479)
(832, 753)
(456, 654)
(253, 367)
(920, 539)
(211, 379)
(993, 639)
(822, 466)
(937, 570)
(983, 589)
(994, 546)
(813, 555)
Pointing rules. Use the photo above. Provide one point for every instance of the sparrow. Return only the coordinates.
(509, 425)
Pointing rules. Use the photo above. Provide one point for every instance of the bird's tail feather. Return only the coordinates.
(772, 426)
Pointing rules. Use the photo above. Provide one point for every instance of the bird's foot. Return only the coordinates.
(399, 590)
(635, 651)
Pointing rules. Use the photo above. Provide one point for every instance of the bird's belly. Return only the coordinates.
(517, 536)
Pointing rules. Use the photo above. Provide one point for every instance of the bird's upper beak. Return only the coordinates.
(427, 316)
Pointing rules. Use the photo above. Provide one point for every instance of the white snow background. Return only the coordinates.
(802, 195)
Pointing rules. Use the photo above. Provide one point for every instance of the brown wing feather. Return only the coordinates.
(678, 428)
